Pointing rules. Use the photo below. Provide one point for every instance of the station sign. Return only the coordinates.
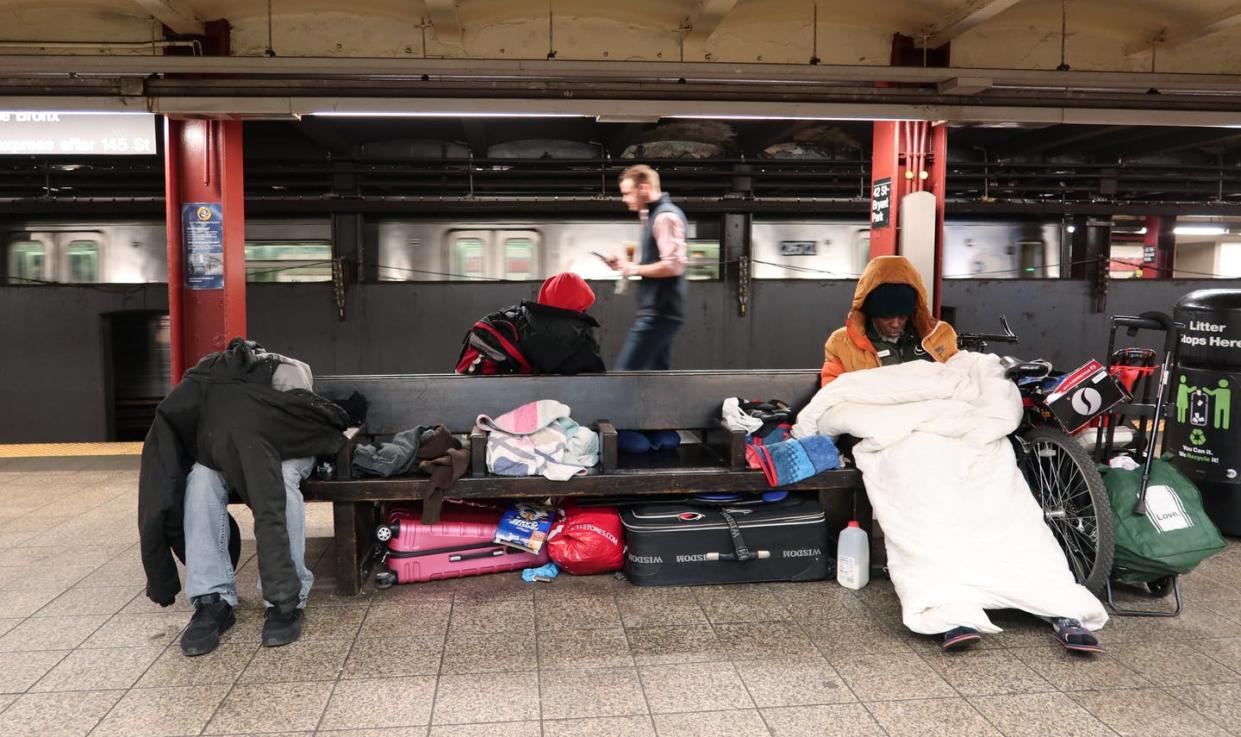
(881, 203)
(25, 133)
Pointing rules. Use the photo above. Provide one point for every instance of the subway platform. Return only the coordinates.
(83, 652)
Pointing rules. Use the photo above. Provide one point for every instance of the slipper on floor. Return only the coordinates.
(960, 638)
(1075, 638)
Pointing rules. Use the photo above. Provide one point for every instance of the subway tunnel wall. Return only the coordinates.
(55, 362)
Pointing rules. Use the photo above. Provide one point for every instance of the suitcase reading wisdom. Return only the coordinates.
(690, 543)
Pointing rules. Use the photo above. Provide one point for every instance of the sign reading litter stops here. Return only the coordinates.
(92, 134)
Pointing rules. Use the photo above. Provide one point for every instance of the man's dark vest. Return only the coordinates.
(663, 297)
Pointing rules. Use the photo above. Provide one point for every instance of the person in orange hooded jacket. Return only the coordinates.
(889, 322)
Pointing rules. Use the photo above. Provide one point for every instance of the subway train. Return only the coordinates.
(295, 250)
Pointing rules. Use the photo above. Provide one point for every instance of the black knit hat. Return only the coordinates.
(890, 300)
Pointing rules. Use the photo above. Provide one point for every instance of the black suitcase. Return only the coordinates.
(687, 544)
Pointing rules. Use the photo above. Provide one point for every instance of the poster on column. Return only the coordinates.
(202, 226)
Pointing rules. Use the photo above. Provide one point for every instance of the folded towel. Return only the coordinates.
(794, 460)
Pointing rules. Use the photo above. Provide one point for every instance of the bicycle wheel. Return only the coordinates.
(1075, 503)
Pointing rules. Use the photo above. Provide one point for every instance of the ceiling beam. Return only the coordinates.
(1087, 82)
(975, 13)
(1168, 38)
(175, 14)
(706, 17)
(444, 18)
(1054, 138)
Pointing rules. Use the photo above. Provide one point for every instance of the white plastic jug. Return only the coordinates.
(853, 557)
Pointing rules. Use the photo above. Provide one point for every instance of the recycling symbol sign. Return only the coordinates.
(1197, 437)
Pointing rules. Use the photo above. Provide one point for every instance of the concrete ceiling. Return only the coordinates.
(1202, 36)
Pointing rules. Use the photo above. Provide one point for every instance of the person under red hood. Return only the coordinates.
(555, 335)
(568, 291)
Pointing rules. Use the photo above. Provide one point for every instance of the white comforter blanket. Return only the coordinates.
(962, 530)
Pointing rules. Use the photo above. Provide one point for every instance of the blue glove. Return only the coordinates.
(542, 573)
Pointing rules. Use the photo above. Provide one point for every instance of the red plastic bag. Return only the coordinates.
(586, 541)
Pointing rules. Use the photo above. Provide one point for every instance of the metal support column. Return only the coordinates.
(204, 202)
(908, 157)
(1158, 247)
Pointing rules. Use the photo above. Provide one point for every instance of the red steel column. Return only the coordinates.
(907, 156)
(1158, 247)
(203, 181)
(886, 178)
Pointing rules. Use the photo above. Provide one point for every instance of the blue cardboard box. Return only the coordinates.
(525, 526)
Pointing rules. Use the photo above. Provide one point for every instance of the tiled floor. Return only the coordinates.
(83, 652)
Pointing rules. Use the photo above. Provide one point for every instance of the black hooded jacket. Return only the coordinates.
(225, 415)
(558, 341)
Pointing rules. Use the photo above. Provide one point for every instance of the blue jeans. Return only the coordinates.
(208, 568)
(648, 345)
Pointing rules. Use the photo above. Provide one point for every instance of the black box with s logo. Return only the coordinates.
(1083, 395)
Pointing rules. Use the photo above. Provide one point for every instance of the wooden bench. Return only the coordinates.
(665, 400)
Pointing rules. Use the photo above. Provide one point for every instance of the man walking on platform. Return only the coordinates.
(661, 264)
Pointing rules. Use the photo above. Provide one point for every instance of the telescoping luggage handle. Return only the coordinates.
(741, 551)
(1156, 321)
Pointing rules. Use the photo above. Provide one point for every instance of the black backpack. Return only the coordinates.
(490, 347)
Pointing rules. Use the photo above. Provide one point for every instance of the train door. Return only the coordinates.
(80, 258)
(27, 259)
(519, 252)
(494, 254)
(65, 257)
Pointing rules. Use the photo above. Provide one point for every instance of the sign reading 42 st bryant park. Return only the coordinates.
(1200, 427)
(881, 203)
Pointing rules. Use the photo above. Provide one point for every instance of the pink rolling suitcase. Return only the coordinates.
(460, 544)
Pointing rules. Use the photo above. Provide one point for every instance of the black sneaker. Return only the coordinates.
(281, 629)
(212, 618)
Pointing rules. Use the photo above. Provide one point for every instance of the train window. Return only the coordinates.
(518, 258)
(1033, 260)
(467, 258)
(26, 260)
(704, 260)
(83, 262)
(277, 261)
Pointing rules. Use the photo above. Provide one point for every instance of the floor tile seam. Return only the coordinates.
(1069, 691)
(60, 660)
(750, 695)
(926, 658)
(1213, 658)
(1095, 714)
(1105, 725)
(80, 642)
(875, 719)
(231, 687)
(1170, 694)
(965, 699)
(129, 689)
(336, 682)
(439, 670)
(646, 701)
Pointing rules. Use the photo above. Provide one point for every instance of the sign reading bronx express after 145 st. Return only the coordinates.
(100, 134)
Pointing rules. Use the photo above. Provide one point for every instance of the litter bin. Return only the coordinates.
(1203, 431)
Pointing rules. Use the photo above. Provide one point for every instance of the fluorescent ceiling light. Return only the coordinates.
(859, 116)
(438, 114)
(1200, 230)
(1072, 228)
